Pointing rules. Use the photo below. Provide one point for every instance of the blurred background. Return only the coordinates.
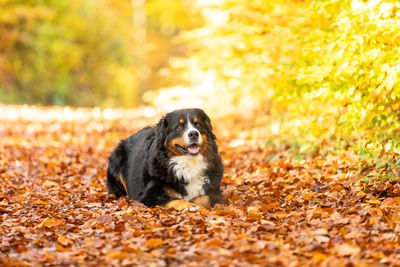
(89, 53)
(323, 70)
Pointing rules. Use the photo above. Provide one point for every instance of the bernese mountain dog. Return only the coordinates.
(173, 164)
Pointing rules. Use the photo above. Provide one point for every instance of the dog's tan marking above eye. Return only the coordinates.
(181, 120)
(195, 120)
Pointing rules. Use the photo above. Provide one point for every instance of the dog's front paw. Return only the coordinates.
(179, 204)
(172, 193)
(202, 201)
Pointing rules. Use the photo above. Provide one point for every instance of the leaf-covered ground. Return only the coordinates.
(54, 208)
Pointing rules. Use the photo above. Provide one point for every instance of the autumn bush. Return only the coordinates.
(326, 70)
(63, 52)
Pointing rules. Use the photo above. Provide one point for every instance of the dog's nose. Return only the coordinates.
(193, 135)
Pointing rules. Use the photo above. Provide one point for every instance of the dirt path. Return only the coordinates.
(54, 209)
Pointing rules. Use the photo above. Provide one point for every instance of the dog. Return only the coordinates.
(174, 164)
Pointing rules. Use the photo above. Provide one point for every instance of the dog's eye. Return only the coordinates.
(179, 127)
(198, 125)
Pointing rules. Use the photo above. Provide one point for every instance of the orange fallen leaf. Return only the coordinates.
(321, 231)
(50, 222)
(388, 202)
(63, 240)
(214, 242)
(347, 250)
(319, 256)
(374, 201)
(289, 197)
(154, 242)
(307, 196)
(104, 219)
(243, 236)
(19, 263)
(253, 213)
(61, 248)
(40, 202)
(322, 238)
(48, 184)
(396, 219)
(4, 202)
(117, 255)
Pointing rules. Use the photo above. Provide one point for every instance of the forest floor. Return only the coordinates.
(281, 211)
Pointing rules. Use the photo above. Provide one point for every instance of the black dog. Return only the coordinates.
(172, 164)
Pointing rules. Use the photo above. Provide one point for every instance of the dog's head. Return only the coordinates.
(185, 132)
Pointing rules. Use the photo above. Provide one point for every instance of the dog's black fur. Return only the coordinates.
(141, 165)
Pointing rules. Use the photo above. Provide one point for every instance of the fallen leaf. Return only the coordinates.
(50, 222)
(117, 255)
(154, 242)
(318, 256)
(40, 202)
(388, 202)
(55, 209)
(347, 250)
(322, 238)
(4, 202)
(63, 240)
(214, 242)
(253, 213)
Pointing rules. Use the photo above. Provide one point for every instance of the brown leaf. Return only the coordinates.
(40, 202)
(388, 202)
(104, 219)
(19, 263)
(320, 231)
(117, 255)
(318, 256)
(4, 202)
(253, 213)
(347, 250)
(214, 242)
(63, 240)
(154, 242)
(55, 209)
(322, 238)
(50, 222)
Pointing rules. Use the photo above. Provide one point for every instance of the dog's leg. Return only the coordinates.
(178, 203)
(214, 195)
(172, 193)
(154, 194)
(116, 183)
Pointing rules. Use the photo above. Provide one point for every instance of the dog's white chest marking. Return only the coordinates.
(191, 170)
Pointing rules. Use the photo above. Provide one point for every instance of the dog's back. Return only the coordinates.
(128, 151)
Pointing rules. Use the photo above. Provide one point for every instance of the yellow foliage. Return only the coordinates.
(325, 68)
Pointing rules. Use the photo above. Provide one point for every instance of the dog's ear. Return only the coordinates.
(207, 123)
(209, 128)
(161, 133)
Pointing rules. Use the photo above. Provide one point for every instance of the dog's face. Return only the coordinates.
(185, 132)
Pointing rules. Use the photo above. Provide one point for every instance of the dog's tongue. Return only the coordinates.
(193, 149)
